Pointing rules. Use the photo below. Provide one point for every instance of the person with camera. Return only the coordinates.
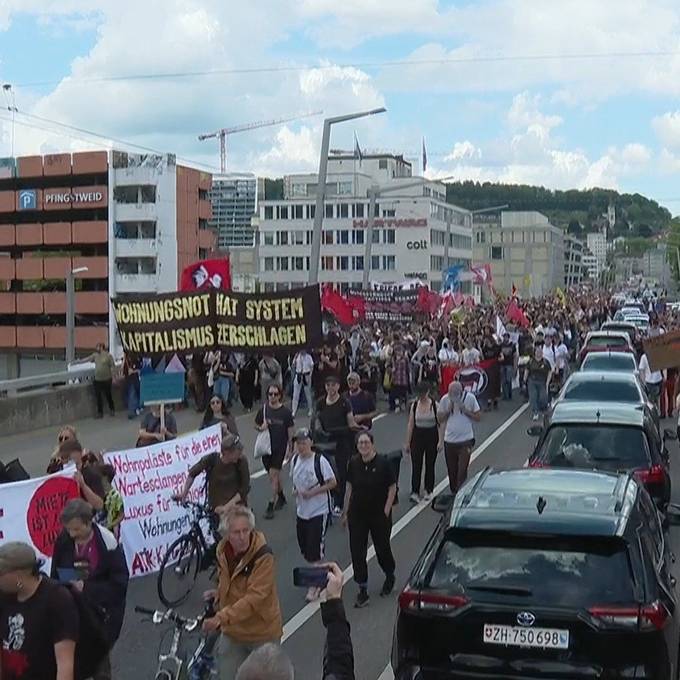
(270, 662)
(248, 614)
(94, 555)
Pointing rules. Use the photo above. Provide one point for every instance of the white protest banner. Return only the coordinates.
(147, 478)
(30, 511)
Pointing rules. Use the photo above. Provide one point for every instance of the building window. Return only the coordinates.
(311, 211)
(327, 263)
(342, 237)
(309, 238)
(268, 212)
(358, 263)
(267, 238)
(436, 263)
(496, 252)
(298, 189)
(298, 264)
(382, 164)
(343, 263)
(282, 264)
(344, 210)
(327, 237)
(281, 238)
(357, 237)
(358, 210)
(389, 263)
(388, 236)
(297, 212)
(269, 264)
(329, 210)
(298, 238)
(480, 237)
(376, 236)
(389, 212)
(345, 188)
(437, 237)
(375, 262)
(136, 265)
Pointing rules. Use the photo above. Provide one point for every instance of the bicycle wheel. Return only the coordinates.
(179, 570)
(164, 675)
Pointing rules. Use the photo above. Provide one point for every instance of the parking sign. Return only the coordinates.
(28, 199)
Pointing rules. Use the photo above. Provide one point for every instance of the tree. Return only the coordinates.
(575, 228)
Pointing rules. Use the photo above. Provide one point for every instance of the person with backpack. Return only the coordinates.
(227, 476)
(371, 489)
(39, 622)
(313, 480)
(422, 441)
(248, 613)
(94, 554)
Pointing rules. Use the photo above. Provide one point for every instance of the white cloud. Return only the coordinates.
(667, 129)
(463, 150)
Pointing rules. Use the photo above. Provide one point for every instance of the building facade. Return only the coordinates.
(574, 270)
(134, 221)
(524, 250)
(597, 245)
(234, 203)
(416, 233)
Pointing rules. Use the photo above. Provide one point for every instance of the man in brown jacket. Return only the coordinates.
(248, 612)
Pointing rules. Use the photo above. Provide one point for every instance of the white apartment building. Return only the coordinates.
(591, 266)
(417, 234)
(597, 244)
(234, 203)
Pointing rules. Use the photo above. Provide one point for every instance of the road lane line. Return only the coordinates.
(263, 472)
(306, 613)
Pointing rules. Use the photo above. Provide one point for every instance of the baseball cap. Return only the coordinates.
(332, 379)
(302, 433)
(231, 441)
(16, 556)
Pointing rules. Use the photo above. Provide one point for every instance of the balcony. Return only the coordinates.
(135, 212)
(136, 247)
(136, 283)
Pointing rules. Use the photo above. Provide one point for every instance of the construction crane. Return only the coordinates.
(222, 133)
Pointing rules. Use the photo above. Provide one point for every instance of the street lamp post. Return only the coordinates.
(71, 313)
(321, 186)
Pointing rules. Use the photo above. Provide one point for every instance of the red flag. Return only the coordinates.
(516, 315)
(206, 274)
(482, 274)
(340, 307)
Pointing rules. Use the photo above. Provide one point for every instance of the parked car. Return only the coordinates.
(610, 360)
(541, 574)
(603, 341)
(607, 436)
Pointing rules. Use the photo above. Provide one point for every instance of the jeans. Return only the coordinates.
(423, 448)
(231, 654)
(538, 396)
(507, 375)
(654, 392)
(221, 388)
(132, 397)
(102, 388)
(457, 462)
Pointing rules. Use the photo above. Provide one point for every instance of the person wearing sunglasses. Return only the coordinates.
(278, 419)
(216, 412)
(65, 434)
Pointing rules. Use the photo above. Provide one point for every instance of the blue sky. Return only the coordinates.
(564, 94)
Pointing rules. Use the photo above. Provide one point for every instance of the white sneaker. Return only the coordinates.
(428, 497)
(414, 498)
(535, 417)
(337, 512)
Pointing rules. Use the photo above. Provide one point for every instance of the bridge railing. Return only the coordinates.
(76, 374)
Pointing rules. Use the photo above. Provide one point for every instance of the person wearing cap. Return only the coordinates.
(227, 476)
(508, 360)
(313, 480)
(334, 413)
(39, 621)
(362, 401)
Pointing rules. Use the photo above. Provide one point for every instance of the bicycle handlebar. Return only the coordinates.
(144, 610)
(169, 615)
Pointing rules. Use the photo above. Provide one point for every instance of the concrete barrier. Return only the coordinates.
(50, 407)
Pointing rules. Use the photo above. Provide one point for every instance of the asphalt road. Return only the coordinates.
(501, 442)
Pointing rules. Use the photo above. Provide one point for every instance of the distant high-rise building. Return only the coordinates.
(234, 202)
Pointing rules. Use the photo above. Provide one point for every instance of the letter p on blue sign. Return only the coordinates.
(28, 199)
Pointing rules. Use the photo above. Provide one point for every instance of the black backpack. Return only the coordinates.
(93, 643)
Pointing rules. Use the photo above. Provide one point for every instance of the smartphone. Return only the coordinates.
(66, 575)
(310, 577)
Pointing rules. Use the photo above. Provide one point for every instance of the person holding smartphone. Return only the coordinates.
(457, 412)
(313, 480)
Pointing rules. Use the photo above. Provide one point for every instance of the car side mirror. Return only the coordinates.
(535, 431)
(442, 502)
(670, 435)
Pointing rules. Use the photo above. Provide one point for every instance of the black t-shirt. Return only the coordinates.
(370, 483)
(362, 402)
(508, 350)
(29, 630)
(333, 417)
(490, 349)
(280, 419)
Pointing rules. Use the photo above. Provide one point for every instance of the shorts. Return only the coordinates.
(275, 461)
(311, 536)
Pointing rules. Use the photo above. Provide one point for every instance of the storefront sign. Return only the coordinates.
(155, 325)
(391, 222)
(75, 197)
(421, 276)
(28, 199)
(417, 245)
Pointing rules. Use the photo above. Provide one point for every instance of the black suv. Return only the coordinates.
(607, 436)
(542, 574)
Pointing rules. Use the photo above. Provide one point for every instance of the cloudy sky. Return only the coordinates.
(563, 93)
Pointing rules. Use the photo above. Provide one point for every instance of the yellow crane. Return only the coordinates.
(223, 132)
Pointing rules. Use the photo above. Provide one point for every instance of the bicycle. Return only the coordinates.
(186, 556)
(173, 665)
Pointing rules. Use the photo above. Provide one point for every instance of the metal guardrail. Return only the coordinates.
(11, 388)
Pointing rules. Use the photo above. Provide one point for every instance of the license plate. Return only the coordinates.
(517, 636)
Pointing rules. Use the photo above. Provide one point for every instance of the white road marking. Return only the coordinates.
(306, 613)
(263, 472)
(387, 674)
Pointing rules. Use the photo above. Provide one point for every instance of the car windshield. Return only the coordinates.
(560, 571)
(607, 341)
(608, 362)
(603, 447)
(602, 390)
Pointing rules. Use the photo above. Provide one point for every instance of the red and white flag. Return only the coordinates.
(206, 274)
(482, 274)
